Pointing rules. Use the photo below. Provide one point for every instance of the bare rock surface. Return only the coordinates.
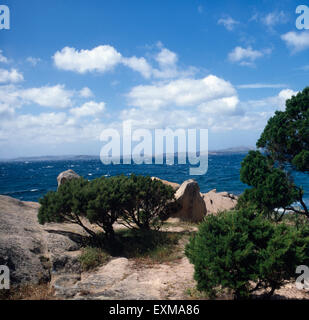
(193, 207)
(65, 176)
(219, 201)
(31, 251)
(122, 279)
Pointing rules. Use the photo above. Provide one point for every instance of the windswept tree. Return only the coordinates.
(149, 202)
(285, 145)
(137, 202)
(68, 204)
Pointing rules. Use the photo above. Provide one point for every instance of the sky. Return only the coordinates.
(70, 69)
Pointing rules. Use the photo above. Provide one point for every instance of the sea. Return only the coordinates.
(29, 180)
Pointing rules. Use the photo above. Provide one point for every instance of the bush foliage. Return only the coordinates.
(285, 143)
(136, 201)
(234, 248)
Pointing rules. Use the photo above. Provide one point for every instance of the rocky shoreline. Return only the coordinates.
(50, 253)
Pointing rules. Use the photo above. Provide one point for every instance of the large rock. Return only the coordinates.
(174, 185)
(193, 207)
(219, 201)
(34, 252)
(65, 176)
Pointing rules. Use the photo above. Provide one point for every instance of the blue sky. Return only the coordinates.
(69, 69)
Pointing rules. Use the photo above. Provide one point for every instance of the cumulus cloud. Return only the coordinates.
(104, 58)
(48, 96)
(10, 76)
(297, 41)
(166, 58)
(272, 103)
(90, 108)
(86, 93)
(181, 92)
(216, 114)
(53, 128)
(228, 22)
(100, 59)
(3, 59)
(138, 64)
(246, 56)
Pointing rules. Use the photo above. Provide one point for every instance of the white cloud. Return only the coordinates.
(48, 96)
(227, 105)
(261, 86)
(3, 59)
(138, 64)
(105, 58)
(10, 76)
(90, 108)
(274, 18)
(181, 92)
(246, 56)
(229, 23)
(166, 58)
(297, 41)
(6, 111)
(101, 59)
(168, 68)
(272, 103)
(200, 9)
(86, 93)
(33, 61)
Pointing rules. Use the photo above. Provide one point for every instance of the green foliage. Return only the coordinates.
(285, 141)
(148, 202)
(234, 248)
(271, 187)
(136, 201)
(107, 202)
(286, 136)
(92, 258)
(67, 204)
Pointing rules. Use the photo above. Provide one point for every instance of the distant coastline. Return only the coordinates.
(234, 150)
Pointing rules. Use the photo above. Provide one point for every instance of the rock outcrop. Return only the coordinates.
(65, 176)
(219, 201)
(33, 252)
(192, 205)
(174, 185)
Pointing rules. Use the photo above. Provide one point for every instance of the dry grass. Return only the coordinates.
(28, 292)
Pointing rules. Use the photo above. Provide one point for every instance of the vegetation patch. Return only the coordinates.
(28, 292)
(92, 258)
(152, 246)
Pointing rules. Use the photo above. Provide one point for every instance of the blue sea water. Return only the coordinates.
(30, 180)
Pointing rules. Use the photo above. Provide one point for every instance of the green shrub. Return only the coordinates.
(136, 201)
(92, 258)
(234, 248)
(148, 202)
(271, 187)
(68, 204)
